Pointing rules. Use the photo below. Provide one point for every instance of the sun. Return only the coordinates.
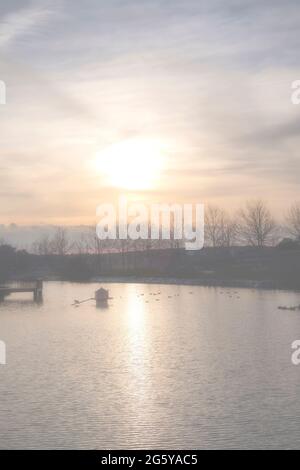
(132, 164)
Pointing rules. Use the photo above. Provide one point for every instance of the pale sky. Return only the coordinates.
(202, 90)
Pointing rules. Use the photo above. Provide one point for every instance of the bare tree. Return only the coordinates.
(293, 220)
(213, 216)
(228, 230)
(256, 225)
(220, 229)
(93, 243)
(60, 243)
(87, 242)
(42, 246)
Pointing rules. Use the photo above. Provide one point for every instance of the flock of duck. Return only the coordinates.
(292, 309)
(229, 294)
(156, 297)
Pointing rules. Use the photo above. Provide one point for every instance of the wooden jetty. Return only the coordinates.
(15, 287)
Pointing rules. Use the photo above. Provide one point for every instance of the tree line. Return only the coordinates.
(253, 225)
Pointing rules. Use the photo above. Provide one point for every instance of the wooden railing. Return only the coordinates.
(14, 287)
(20, 284)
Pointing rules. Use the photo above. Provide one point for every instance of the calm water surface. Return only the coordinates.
(198, 368)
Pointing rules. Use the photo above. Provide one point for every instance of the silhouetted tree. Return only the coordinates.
(92, 242)
(220, 228)
(213, 216)
(7, 262)
(43, 246)
(288, 244)
(256, 225)
(60, 244)
(228, 230)
(293, 220)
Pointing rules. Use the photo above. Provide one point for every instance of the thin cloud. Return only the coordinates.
(212, 78)
(23, 21)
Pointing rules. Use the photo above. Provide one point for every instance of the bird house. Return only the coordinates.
(101, 296)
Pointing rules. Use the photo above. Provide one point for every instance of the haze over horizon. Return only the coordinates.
(161, 100)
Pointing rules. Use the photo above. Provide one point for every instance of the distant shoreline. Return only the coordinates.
(166, 280)
(239, 267)
(246, 284)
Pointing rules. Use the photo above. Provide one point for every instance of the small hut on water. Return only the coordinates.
(101, 296)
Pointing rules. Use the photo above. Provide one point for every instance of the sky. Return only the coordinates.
(196, 94)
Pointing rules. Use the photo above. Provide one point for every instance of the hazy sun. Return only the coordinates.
(133, 164)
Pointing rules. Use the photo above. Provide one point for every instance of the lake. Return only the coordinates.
(189, 367)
